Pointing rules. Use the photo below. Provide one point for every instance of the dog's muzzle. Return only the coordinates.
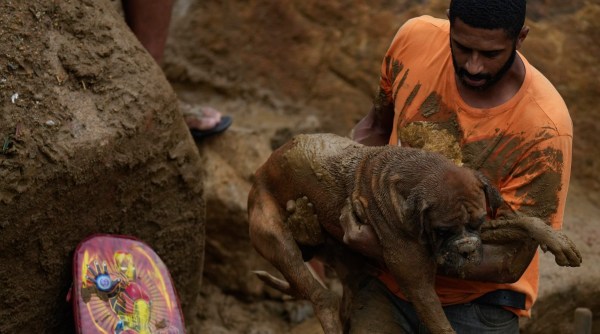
(460, 252)
(468, 246)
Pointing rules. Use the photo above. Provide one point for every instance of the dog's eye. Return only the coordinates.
(476, 224)
(442, 231)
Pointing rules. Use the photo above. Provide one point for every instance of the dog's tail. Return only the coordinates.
(274, 282)
(283, 285)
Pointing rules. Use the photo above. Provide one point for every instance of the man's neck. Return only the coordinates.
(499, 93)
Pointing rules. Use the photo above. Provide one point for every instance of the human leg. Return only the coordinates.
(372, 310)
(475, 318)
(149, 21)
(468, 318)
(375, 309)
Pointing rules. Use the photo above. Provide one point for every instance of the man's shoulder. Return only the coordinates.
(550, 103)
(429, 21)
(425, 24)
(422, 32)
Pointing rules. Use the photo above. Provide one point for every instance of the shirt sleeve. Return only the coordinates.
(539, 181)
(391, 68)
(392, 65)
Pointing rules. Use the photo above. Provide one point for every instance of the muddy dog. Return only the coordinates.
(422, 209)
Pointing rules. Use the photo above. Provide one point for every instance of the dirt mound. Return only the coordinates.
(92, 142)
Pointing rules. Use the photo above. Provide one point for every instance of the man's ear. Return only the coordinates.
(493, 198)
(522, 35)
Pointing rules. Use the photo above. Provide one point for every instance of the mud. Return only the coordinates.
(303, 223)
(432, 137)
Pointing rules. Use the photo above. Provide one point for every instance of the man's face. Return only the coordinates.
(481, 57)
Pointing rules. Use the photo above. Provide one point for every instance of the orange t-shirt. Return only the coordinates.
(523, 146)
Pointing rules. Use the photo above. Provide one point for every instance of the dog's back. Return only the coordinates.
(312, 166)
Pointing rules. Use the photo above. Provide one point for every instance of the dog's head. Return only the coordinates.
(449, 209)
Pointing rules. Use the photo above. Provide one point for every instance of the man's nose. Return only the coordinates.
(474, 65)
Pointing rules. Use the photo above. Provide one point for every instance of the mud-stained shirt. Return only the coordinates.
(523, 146)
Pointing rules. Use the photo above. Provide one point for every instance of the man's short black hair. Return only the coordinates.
(490, 14)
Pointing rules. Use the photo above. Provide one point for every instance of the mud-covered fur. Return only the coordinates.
(424, 211)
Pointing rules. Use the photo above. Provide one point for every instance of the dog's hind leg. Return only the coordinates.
(275, 243)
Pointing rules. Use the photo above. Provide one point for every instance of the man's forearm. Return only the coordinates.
(502, 263)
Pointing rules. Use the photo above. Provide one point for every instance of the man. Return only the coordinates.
(460, 87)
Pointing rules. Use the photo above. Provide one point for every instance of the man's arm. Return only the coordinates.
(502, 262)
(536, 187)
(376, 127)
(506, 255)
(514, 241)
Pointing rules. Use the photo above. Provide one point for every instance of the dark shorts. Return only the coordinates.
(375, 309)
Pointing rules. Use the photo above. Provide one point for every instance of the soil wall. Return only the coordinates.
(92, 142)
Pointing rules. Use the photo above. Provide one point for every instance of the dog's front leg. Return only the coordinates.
(414, 270)
(275, 242)
(523, 227)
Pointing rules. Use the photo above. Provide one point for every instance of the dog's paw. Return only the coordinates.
(298, 311)
(564, 250)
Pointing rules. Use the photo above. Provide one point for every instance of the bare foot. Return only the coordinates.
(200, 117)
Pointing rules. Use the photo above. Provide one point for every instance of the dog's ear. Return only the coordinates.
(358, 208)
(359, 204)
(493, 198)
(415, 208)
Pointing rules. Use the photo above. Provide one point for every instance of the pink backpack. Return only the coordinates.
(121, 286)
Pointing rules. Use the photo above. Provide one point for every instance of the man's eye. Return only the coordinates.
(461, 47)
(492, 54)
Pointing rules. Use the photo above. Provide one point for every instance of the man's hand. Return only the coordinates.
(358, 236)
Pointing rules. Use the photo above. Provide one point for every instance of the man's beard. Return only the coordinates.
(490, 79)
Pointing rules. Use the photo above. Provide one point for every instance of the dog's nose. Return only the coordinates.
(467, 246)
